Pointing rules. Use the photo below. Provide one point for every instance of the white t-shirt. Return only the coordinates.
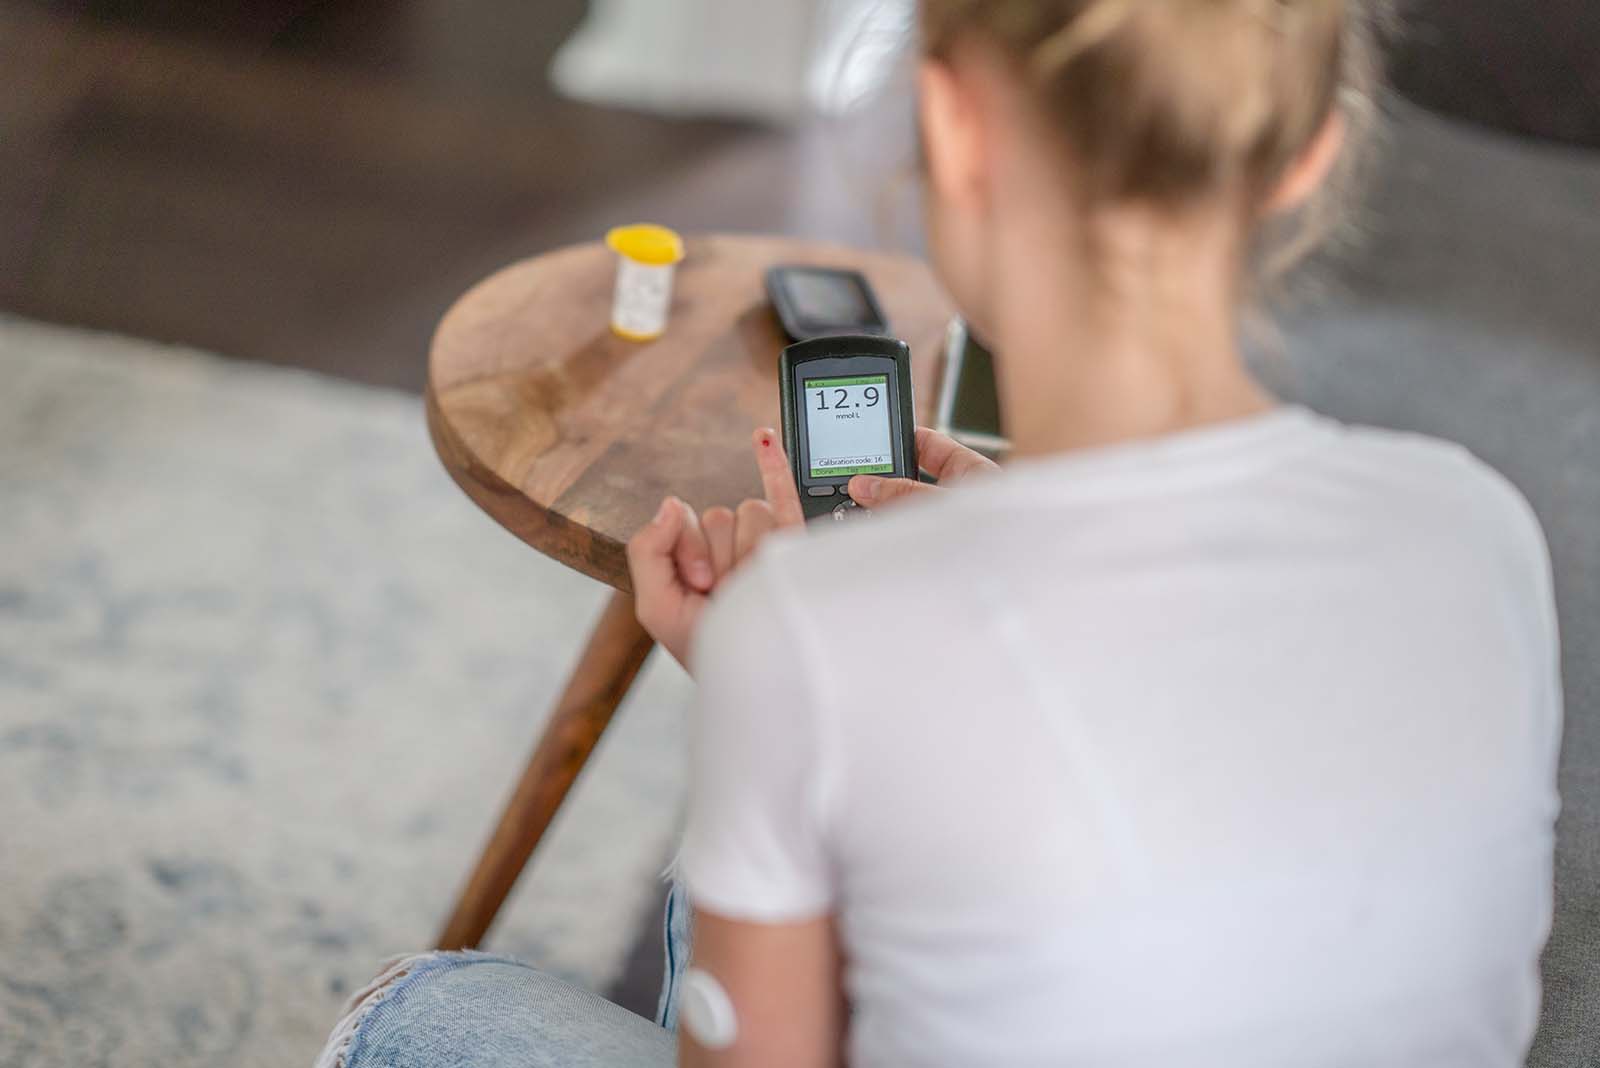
(1234, 748)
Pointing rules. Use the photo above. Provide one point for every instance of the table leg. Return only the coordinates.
(606, 669)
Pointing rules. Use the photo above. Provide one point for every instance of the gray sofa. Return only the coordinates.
(1471, 310)
(1518, 65)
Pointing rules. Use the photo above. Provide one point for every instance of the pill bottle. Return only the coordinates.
(647, 256)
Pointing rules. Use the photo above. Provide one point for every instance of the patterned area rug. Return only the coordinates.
(265, 678)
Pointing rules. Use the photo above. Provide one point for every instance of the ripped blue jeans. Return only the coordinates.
(477, 1010)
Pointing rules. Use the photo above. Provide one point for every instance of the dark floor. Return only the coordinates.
(311, 183)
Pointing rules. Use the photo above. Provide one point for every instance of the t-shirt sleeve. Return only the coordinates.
(753, 848)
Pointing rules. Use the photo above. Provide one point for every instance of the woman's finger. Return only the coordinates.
(650, 563)
(718, 526)
(870, 491)
(692, 554)
(753, 521)
(946, 459)
(777, 480)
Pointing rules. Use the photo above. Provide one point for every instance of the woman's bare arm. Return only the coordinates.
(783, 980)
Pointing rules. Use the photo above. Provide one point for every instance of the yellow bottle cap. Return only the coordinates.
(646, 243)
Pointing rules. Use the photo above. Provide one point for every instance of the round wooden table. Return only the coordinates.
(569, 436)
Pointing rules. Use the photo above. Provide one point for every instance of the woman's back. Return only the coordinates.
(1234, 747)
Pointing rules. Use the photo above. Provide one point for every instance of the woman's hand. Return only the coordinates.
(678, 558)
(670, 563)
(941, 456)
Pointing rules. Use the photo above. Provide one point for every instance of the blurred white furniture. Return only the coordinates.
(765, 59)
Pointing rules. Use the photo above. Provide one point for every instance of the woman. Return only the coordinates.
(1209, 732)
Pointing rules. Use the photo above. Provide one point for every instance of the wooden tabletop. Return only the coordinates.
(570, 436)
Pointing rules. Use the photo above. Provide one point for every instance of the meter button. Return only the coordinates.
(847, 510)
(819, 491)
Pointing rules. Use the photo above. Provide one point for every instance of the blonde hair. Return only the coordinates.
(1170, 102)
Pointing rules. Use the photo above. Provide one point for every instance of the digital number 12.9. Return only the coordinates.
(870, 394)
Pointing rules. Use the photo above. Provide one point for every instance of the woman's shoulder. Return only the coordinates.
(1434, 481)
(1067, 523)
(832, 581)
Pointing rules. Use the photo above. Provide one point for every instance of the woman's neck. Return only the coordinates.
(1155, 352)
(1065, 387)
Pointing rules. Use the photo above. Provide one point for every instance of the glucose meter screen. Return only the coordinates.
(847, 422)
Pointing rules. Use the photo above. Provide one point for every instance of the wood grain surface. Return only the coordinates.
(569, 436)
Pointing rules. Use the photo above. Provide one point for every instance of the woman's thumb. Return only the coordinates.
(870, 491)
(657, 537)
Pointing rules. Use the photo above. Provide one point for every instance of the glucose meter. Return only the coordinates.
(847, 411)
(821, 301)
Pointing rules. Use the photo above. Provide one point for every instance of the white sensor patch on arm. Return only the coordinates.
(707, 1011)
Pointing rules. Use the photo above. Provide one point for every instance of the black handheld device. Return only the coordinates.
(847, 411)
(822, 301)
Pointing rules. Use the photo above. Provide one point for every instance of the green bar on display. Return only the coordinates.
(834, 472)
(833, 383)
